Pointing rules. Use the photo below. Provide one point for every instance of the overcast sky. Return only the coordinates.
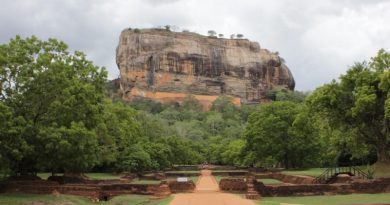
(318, 39)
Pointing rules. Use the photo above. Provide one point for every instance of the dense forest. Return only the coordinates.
(59, 113)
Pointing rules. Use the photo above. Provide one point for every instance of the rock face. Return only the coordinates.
(167, 66)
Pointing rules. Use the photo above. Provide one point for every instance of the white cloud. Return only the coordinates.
(318, 39)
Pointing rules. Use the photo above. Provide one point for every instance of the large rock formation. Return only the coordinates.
(167, 66)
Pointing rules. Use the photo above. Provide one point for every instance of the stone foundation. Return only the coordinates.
(291, 179)
(373, 186)
(232, 184)
(181, 174)
(93, 191)
(229, 173)
(179, 187)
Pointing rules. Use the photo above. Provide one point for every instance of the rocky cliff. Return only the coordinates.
(167, 66)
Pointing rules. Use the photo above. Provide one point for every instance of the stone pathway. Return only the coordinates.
(207, 193)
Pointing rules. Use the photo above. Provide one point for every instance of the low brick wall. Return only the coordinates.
(222, 167)
(232, 184)
(181, 174)
(108, 181)
(231, 173)
(94, 191)
(295, 190)
(291, 179)
(111, 190)
(375, 186)
(263, 176)
(48, 187)
(179, 187)
(72, 180)
(152, 176)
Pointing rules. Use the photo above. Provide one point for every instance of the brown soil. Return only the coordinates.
(207, 192)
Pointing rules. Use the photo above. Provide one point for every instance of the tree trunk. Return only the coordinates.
(286, 162)
(383, 154)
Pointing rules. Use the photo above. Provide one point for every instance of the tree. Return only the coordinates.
(183, 151)
(190, 103)
(167, 27)
(270, 136)
(359, 104)
(232, 36)
(134, 159)
(57, 96)
(240, 36)
(211, 33)
(117, 131)
(12, 145)
(224, 105)
(220, 35)
(283, 94)
(72, 149)
(214, 123)
(233, 152)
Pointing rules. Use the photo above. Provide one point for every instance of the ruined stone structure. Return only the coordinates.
(167, 66)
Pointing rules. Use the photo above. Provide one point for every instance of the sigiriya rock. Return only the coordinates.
(167, 66)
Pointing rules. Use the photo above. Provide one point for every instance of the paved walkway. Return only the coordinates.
(207, 193)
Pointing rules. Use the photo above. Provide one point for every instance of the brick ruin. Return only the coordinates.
(304, 186)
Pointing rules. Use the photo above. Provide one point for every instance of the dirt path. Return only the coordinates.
(207, 192)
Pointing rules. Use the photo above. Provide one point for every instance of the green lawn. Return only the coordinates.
(21, 199)
(97, 176)
(218, 178)
(194, 179)
(270, 181)
(145, 181)
(328, 200)
(314, 172)
(102, 176)
(265, 181)
(184, 172)
(235, 170)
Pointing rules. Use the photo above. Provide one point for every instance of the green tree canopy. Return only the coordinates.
(359, 104)
(273, 136)
(58, 97)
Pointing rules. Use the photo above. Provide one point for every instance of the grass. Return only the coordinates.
(161, 201)
(314, 172)
(184, 172)
(194, 179)
(235, 170)
(44, 175)
(328, 200)
(21, 199)
(102, 176)
(107, 176)
(96, 176)
(144, 181)
(270, 181)
(265, 181)
(381, 171)
(218, 178)
(16, 199)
